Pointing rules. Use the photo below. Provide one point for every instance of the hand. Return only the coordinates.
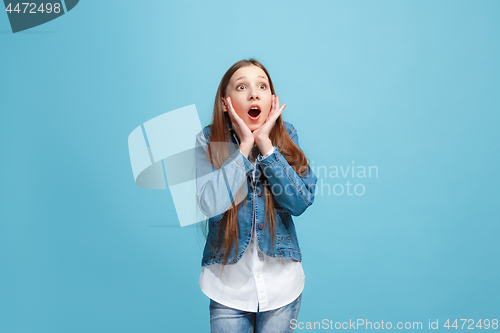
(261, 135)
(244, 134)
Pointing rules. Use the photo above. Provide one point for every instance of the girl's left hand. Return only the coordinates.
(261, 135)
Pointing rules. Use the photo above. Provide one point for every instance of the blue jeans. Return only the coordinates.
(224, 319)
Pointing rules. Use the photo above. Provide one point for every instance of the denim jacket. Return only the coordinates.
(216, 190)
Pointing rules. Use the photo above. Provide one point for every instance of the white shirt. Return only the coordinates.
(256, 281)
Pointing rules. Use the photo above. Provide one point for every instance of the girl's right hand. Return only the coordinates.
(244, 134)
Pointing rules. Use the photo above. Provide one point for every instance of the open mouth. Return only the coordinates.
(254, 112)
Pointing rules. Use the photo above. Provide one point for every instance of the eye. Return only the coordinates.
(240, 87)
(263, 86)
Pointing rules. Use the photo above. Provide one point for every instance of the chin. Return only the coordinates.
(253, 127)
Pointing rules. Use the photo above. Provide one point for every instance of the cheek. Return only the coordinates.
(239, 109)
(268, 105)
(269, 102)
(237, 106)
(265, 113)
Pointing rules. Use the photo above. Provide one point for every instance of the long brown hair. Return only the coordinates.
(228, 226)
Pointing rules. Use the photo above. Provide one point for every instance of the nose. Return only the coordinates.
(253, 93)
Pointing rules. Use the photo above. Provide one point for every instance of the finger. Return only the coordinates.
(278, 112)
(276, 104)
(282, 108)
(233, 116)
(224, 105)
(230, 107)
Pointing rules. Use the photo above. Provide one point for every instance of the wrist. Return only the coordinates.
(261, 140)
(265, 145)
(245, 148)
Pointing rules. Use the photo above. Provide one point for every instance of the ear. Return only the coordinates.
(224, 106)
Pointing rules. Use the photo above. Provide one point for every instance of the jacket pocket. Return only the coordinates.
(282, 236)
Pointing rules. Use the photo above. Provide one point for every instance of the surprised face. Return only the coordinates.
(251, 96)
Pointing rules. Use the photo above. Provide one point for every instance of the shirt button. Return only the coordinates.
(261, 226)
(259, 193)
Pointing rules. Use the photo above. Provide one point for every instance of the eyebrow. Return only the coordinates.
(244, 77)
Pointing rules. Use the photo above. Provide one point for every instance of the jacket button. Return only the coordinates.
(261, 226)
(259, 193)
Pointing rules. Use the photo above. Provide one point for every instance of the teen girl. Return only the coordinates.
(251, 177)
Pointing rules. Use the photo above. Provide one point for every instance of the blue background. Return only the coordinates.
(408, 86)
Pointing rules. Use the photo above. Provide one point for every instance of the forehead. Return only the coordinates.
(249, 72)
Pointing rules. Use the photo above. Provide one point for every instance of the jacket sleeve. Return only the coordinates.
(216, 189)
(291, 191)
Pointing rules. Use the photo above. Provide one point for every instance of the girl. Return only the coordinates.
(251, 177)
